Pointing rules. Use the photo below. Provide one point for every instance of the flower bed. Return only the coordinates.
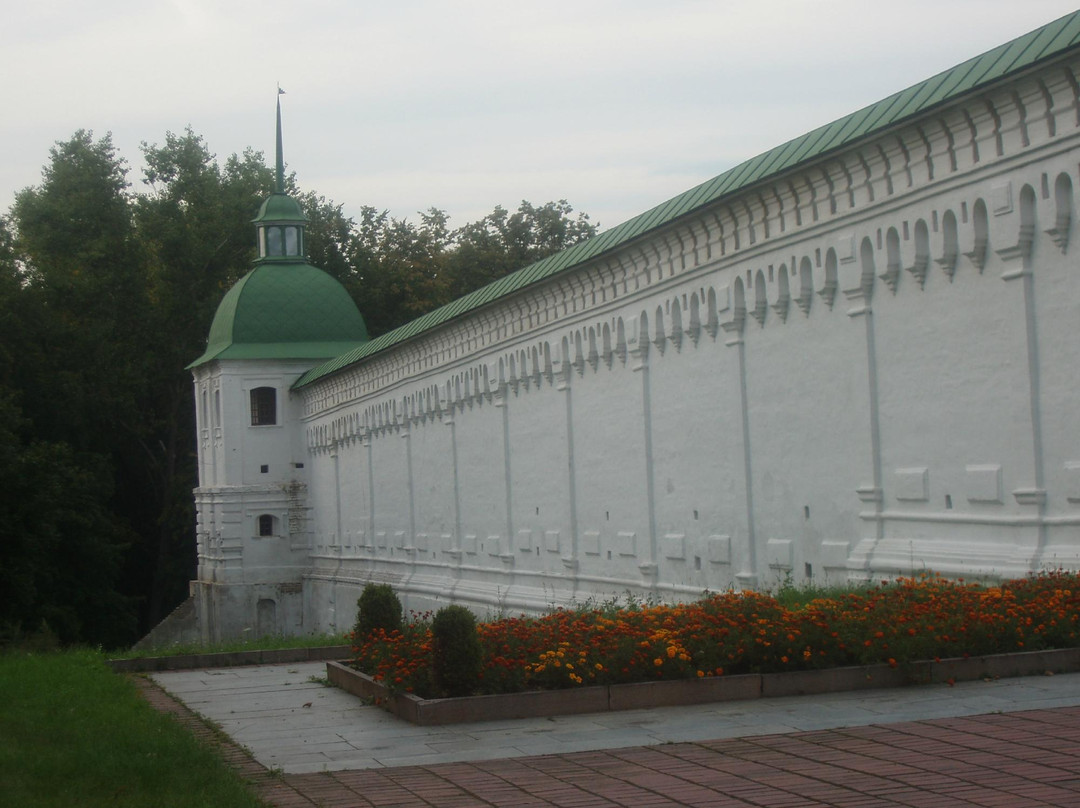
(682, 692)
(895, 625)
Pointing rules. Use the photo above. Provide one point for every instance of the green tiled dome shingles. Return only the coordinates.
(284, 311)
(280, 208)
(285, 308)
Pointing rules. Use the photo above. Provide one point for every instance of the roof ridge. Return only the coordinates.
(1017, 54)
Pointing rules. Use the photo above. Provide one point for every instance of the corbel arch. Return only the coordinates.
(676, 324)
(980, 228)
(922, 253)
(783, 294)
(831, 281)
(1063, 212)
(950, 244)
(761, 300)
(806, 285)
(891, 275)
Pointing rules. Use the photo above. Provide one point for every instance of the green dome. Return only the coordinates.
(284, 310)
(280, 207)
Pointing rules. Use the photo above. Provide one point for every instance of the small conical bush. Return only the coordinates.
(378, 607)
(456, 653)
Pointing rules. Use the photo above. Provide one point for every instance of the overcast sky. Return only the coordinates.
(465, 104)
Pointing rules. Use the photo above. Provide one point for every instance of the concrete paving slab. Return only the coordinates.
(263, 709)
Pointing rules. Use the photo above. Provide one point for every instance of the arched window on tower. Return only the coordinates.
(263, 406)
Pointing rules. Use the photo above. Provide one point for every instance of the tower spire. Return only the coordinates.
(280, 188)
(280, 223)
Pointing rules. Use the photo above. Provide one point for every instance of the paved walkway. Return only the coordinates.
(1012, 742)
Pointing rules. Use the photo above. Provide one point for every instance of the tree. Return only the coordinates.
(119, 291)
(398, 268)
(195, 228)
(74, 241)
(501, 242)
(61, 549)
(402, 271)
(330, 237)
(106, 295)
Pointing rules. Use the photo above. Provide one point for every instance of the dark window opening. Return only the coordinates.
(263, 406)
(266, 525)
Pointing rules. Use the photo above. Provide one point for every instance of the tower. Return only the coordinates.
(279, 320)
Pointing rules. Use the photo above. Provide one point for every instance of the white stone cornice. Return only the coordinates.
(1035, 110)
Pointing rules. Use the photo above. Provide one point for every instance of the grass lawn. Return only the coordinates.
(74, 734)
(256, 644)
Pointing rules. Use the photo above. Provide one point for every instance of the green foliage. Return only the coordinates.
(58, 708)
(61, 551)
(109, 295)
(107, 292)
(456, 653)
(897, 623)
(502, 242)
(377, 608)
(791, 596)
(398, 271)
(267, 643)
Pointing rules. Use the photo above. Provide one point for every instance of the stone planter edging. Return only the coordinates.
(678, 692)
(230, 659)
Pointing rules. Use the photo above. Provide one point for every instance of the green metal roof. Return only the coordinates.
(280, 207)
(284, 310)
(1039, 45)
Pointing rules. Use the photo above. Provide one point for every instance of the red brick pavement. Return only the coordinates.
(1012, 760)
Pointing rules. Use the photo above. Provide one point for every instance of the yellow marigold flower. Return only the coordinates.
(658, 662)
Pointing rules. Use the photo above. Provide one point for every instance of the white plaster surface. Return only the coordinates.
(864, 368)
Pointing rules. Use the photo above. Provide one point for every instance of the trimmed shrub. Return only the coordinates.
(456, 653)
(377, 608)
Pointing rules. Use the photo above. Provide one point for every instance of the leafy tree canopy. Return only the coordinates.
(106, 293)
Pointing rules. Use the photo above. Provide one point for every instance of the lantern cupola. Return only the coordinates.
(280, 223)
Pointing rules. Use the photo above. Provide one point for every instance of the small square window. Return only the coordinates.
(266, 524)
(264, 469)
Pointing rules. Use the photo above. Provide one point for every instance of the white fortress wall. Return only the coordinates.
(862, 367)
